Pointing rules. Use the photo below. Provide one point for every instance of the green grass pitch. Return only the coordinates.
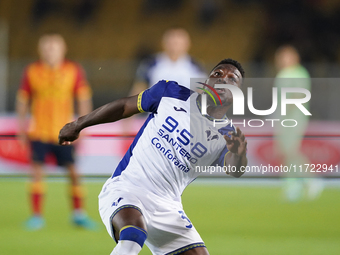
(231, 220)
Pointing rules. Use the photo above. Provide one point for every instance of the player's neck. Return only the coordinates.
(213, 112)
(217, 112)
(174, 56)
(53, 64)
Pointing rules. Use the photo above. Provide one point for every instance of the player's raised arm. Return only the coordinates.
(111, 112)
(237, 146)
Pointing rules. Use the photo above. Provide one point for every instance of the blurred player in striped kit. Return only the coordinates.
(49, 88)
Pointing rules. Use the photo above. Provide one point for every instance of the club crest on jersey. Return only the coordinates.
(211, 136)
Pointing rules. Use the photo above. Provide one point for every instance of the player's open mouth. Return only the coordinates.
(220, 90)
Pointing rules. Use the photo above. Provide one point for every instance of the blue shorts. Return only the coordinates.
(63, 154)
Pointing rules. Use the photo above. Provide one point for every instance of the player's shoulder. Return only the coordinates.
(149, 62)
(144, 67)
(33, 69)
(73, 67)
(172, 89)
(294, 72)
(33, 66)
(150, 99)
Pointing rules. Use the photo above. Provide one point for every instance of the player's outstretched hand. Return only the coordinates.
(237, 143)
(68, 134)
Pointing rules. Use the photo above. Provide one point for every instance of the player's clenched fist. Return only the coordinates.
(68, 134)
(236, 143)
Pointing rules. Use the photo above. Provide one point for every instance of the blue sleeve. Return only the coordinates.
(223, 131)
(148, 100)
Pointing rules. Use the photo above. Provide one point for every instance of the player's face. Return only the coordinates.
(52, 49)
(225, 74)
(176, 42)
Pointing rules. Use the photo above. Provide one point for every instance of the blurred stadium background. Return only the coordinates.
(110, 38)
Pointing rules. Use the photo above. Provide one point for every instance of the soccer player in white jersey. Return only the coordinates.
(141, 202)
(173, 63)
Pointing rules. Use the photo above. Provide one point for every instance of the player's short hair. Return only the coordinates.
(231, 62)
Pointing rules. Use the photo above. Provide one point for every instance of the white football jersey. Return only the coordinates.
(174, 139)
(162, 67)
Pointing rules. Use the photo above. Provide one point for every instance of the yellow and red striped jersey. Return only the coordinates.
(51, 92)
